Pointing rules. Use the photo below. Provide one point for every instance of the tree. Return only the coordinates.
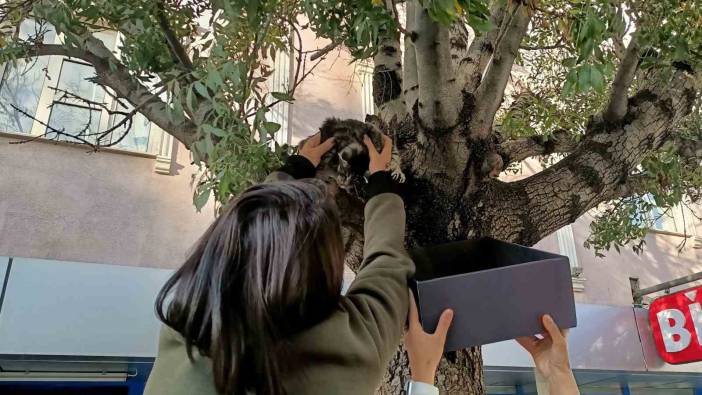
(605, 92)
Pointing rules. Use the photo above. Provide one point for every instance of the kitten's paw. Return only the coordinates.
(399, 177)
(397, 173)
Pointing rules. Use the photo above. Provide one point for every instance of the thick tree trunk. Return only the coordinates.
(448, 196)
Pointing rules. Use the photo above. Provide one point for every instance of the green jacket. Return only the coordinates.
(348, 352)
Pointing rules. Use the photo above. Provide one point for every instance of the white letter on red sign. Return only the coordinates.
(677, 328)
(696, 315)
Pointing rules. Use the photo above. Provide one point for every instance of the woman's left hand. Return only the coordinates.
(313, 151)
(424, 350)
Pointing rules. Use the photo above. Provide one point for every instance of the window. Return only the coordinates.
(22, 83)
(40, 91)
(137, 139)
(280, 82)
(70, 114)
(677, 219)
(566, 246)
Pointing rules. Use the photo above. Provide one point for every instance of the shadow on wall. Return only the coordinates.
(177, 163)
(309, 113)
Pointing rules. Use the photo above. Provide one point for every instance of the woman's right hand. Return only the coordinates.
(379, 161)
(550, 356)
(424, 350)
(313, 150)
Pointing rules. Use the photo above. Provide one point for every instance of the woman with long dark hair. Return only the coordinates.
(257, 309)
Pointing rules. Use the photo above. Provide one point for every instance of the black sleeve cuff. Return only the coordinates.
(382, 182)
(298, 167)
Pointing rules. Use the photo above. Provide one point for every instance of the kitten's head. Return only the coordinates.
(349, 156)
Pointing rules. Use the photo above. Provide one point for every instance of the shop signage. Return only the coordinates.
(676, 322)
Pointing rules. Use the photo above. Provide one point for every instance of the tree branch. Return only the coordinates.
(410, 83)
(598, 170)
(616, 109)
(391, 6)
(558, 44)
(634, 184)
(439, 94)
(174, 44)
(323, 51)
(111, 73)
(93, 140)
(301, 69)
(387, 74)
(520, 149)
(471, 69)
(491, 90)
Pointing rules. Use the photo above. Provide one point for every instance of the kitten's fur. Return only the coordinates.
(349, 156)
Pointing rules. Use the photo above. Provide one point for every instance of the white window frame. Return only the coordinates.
(279, 81)
(159, 145)
(365, 75)
(566, 246)
(679, 220)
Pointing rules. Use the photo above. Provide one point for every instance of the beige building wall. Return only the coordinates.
(607, 279)
(333, 91)
(60, 202)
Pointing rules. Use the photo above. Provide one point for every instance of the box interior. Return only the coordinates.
(470, 256)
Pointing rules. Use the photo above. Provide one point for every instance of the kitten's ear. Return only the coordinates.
(375, 121)
(327, 129)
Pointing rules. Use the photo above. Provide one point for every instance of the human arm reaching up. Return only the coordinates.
(303, 165)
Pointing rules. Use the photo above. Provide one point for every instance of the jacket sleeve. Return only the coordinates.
(378, 297)
(294, 168)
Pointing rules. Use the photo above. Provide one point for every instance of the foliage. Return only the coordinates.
(473, 12)
(358, 25)
(573, 50)
(569, 62)
(224, 90)
(670, 178)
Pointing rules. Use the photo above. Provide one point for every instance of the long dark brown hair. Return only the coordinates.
(268, 267)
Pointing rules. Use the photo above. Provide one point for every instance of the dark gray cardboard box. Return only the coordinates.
(497, 290)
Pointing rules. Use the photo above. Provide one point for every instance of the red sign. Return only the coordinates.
(676, 321)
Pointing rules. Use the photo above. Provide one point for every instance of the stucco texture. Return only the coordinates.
(61, 202)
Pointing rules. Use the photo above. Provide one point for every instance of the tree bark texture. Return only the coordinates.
(451, 192)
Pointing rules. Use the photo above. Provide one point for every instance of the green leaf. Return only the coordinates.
(569, 62)
(214, 130)
(481, 25)
(201, 198)
(585, 50)
(252, 12)
(209, 144)
(597, 79)
(284, 96)
(214, 80)
(584, 78)
(201, 89)
(570, 83)
(271, 127)
(682, 50)
(190, 100)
